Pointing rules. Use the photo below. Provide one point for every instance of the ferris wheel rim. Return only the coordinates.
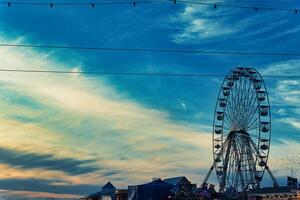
(258, 146)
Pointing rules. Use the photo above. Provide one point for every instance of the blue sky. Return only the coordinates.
(66, 135)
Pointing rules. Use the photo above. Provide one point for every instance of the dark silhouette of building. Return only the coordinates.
(155, 190)
(108, 192)
(180, 180)
(292, 181)
(122, 195)
(182, 188)
(275, 193)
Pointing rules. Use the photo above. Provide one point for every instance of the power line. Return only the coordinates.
(256, 8)
(98, 73)
(134, 3)
(249, 53)
(9, 3)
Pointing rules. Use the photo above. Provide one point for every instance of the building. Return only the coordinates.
(182, 188)
(155, 190)
(122, 195)
(95, 196)
(108, 192)
(276, 193)
(180, 180)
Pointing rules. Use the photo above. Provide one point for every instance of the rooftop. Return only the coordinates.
(174, 180)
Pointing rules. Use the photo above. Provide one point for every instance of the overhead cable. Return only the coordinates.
(184, 51)
(134, 3)
(101, 73)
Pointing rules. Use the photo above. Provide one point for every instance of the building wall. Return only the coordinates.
(122, 195)
(276, 196)
(105, 197)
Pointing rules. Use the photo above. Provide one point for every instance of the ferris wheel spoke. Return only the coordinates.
(251, 101)
(240, 98)
(244, 95)
(230, 108)
(226, 122)
(235, 98)
(249, 94)
(239, 118)
(238, 86)
(253, 128)
(228, 116)
(230, 111)
(242, 121)
(226, 128)
(256, 137)
(253, 113)
(250, 127)
(251, 104)
(244, 115)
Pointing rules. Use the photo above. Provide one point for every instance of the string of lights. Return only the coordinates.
(256, 8)
(184, 51)
(134, 3)
(103, 73)
(92, 4)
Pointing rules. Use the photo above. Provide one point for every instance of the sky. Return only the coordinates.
(65, 135)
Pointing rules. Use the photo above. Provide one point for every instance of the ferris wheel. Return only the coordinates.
(241, 131)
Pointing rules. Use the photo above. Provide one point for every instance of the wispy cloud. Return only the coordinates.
(37, 185)
(282, 68)
(34, 160)
(243, 28)
(197, 24)
(291, 121)
(28, 195)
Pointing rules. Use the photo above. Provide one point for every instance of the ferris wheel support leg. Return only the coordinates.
(208, 174)
(275, 183)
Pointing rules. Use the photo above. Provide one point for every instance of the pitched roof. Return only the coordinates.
(158, 183)
(97, 194)
(174, 180)
(108, 186)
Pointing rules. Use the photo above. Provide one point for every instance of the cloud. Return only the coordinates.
(198, 24)
(241, 29)
(34, 160)
(81, 121)
(37, 185)
(291, 121)
(28, 195)
(284, 92)
(282, 68)
(289, 91)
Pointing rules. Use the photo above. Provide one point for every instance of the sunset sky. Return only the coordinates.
(65, 135)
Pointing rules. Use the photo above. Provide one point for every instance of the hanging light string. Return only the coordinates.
(134, 3)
